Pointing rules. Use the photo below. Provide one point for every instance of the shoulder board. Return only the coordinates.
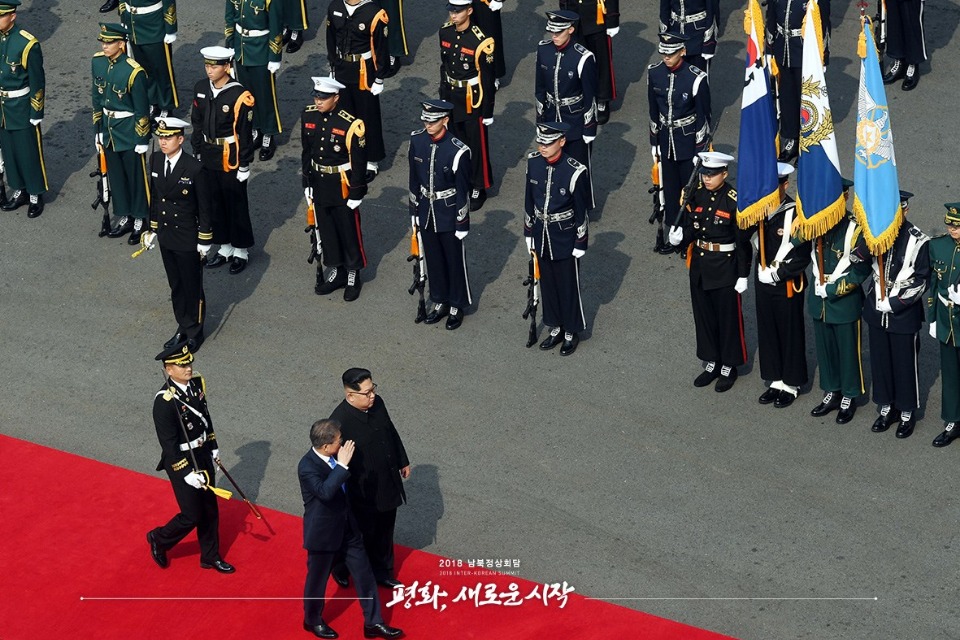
(544, 43)
(26, 34)
(310, 107)
(697, 71)
(579, 48)
(417, 132)
(458, 143)
(732, 192)
(654, 65)
(533, 154)
(346, 116)
(477, 32)
(575, 163)
(446, 24)
(98, 54)
(133, 63)
(920, 235)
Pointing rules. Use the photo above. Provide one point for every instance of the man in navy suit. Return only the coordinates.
(329, 528)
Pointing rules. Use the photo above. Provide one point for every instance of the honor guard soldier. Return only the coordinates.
(555, 230)
(121, 122)
(697, 20)
(943, 304)
(781, 343)
(153, 30)
(189, 446)
(295, 22)
(679, 96)
(222, 138)
(466, 80)
(358, 55)
(785, 40)
(836, 307)
(396, 34)
(22, 89)
(487, 16)
(599, 23)
(440, 209)
(180, 220)
(905, 42)
(334, 184)
(894, 314)
(718, 257)
(566, 87)
(254, 31)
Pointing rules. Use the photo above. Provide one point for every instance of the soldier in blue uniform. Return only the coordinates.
(894, 318)
(679, 96)
(718, 257)
(697, 20)
(599, 24)
(943, 304)
(785, 41)
(334, 182)
(555, 230)
(440, 208)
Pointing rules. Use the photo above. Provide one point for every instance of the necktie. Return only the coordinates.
(169, 169)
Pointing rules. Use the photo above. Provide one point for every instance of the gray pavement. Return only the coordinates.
(606, 469)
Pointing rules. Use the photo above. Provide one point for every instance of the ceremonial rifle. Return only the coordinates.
(103, 191)
(658, 196)
(532, 283)
(419, 271)
(316, 249)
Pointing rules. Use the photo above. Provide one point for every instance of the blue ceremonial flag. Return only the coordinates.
(876, 202)
(820, 203)
(757, 187)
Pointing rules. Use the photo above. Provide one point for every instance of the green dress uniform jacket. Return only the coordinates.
(121, 108)
(844, 301)
(254, 30)
(944, 273)
(149, 20)
(22, 81)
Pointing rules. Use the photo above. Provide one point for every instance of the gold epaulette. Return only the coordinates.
(133, 63)
(346, 116)
(180, 465)
(203, 383)
(98, 54)
(477, 32)
(732, 193)
(311, 107)
(446, 24)
(26, 34)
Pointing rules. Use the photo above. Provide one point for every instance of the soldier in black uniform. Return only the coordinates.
(894, 323)
(487, 16)
(905, 42)
(222, 138)
(358, 53)
(334, 183)
(180, 219)
(785, 40)
(697, 20)
(466, 80)
(781, 343)
(718, 256)
(599, 24)
(679, 96)
(185, 431)
(440, 209)
(555, 230)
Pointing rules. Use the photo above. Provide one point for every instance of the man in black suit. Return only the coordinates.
(380, 466)
(180, 219)
(329, 529)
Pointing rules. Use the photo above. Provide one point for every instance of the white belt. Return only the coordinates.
(252, 33)
(219, 141)
(193, 444)
(148, 9)
(323, 168)
(716, 246)
(118, 114)
(475, 80)
(946, 301)
(564, 102)
(793, 33)
(438, 195)
(17, 93)
(693, 17)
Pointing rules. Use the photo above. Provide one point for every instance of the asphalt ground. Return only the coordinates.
(606, 469)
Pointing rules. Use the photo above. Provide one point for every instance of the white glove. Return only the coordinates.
(613, 32)
(148, 239)
(529, 242)
(654, 152)
(933, 330)
(273, 67)
(377, 88)
(675, 236)
(203, 249)
(413, 221)
(353, 204)
(954, 294)
(820, 290)
(170, 38)
(588, 139)
(579, 253)
(36, 122)
(460, 234)
(195, 480)
(487, 122)
(215, 455)
(308, 194)
(141, 149)
(495, 5)
(243, 173)
(98, 140)
(741, 285)
(884, 305)
(765, 276)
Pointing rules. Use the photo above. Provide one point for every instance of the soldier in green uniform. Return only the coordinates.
(121, 122)
(22, 86)
(153, 30)
(396, 35)
(943, 311)
(254, 30)
(295, 22)
(836, 307)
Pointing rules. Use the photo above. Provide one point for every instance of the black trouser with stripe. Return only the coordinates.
(446, 268)
(602, 47)
(229, 209)
(718, 319)
(198, 509)
(473, 133)
(185, 275)
(905, 31)
(340, 236)
(893, 363)
(780, 337)
(366, 106)
(560, 292)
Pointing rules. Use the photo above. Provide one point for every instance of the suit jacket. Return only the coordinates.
(326, 518)
(179, 203)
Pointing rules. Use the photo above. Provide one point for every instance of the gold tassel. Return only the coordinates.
(758, 210)
(815, 226)
(862, 43)
(747, 21)
(877, 245)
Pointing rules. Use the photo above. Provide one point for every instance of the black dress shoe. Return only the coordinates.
(826, 405)
(949, 434)
(905, 429)
(768, 396)
(569, 345)
(177, 338)
(342, 579)
(295, 41)
(725, 383)
(109, 5)
(266, 152)
(159, 555)
(477, 198)
(321, 630)
(438, 313)
(390, 583)
(354, 284)
(380, 630)
(136, 232)
(20, 198)
(218, 260)
(455, 319)
(789, 151)
(219, 565)
(911, 79)
(195, 342)
(552, 340)
(845, 415)
(882, 423)
(123, 227)
(603, 112)
(706, 377)
(238, 265)
(896, 71)
(784, 399)
(336, 279)
(36, 208)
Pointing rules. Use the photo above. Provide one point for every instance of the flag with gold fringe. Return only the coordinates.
(820, 203)
(876, 201)
(757, 190)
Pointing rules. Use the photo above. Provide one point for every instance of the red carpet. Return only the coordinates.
(75, 532)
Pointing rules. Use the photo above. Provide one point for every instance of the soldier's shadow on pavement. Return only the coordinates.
(498, 241)
(237, 518)
(601, 274)
(630, 49)
(417, 521)
(511, 139)
(385, 224)
(519, 38)
(41, 20)
(64, 156)
(612, 158)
